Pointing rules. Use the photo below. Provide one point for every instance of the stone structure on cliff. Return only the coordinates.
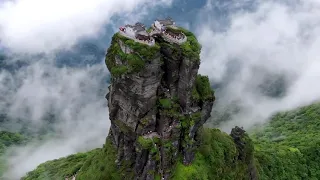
(157, 104)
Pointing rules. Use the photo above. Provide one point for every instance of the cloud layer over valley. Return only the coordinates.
(272, 47)
(34, 31)
(262, 58)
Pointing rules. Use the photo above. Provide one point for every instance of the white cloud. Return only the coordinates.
(46, 25)
(81, 138)
(274, 39)
(74, 95)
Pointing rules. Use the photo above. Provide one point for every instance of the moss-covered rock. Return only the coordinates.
(202, 89)
(122, 126)
(165, 103)
(145, 143)
(215, 159)
(187, 123)
(191, 48)
(128, 62)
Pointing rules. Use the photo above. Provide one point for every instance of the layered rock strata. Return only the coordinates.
(157, 104)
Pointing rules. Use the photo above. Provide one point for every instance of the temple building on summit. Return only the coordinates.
(166, 28)
(163, 24)
(137, 32)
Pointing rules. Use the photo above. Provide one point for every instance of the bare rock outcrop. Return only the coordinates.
(245, 149)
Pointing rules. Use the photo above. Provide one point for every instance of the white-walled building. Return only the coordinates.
(134, 30)
(138, 33)
(162, 24)
(160, 27)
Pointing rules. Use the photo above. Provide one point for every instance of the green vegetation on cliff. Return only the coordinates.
(215, 159)
(287, 148)
(191, 48)
(144, 51)
(187, 123)
(131, 62)
(202, 89)
(124, 128)
(147, 143)
(101, 165)
(119, 62)
(165, 103)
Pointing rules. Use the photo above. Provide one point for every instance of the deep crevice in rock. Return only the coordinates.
(156, 104)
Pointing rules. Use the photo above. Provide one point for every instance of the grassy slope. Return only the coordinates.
(60, 168)
(287, 148)
(95, 164)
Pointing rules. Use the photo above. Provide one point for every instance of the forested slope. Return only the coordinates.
(288, 147)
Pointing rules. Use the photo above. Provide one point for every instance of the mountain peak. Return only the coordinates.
(154, 101)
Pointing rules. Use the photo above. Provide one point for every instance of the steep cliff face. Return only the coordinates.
(157, 103)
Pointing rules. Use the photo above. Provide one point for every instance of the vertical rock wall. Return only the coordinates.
(155, 112)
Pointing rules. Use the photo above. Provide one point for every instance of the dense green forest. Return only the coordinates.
(8, 139)
(288, 147)
(215, 159)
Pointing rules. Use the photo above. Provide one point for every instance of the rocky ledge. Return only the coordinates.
(157, 104)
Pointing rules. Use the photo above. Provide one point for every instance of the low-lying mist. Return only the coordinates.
(60, 104)
(264, 61)
(261, 60)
